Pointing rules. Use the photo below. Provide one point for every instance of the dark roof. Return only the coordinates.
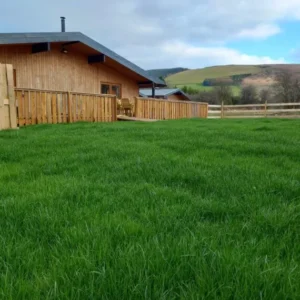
(41, 37)
(161, 92)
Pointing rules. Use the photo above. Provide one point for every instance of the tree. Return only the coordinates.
(205, 96)
(249, 95)
(264, 95)
(223, 94)
(287, 87)
(184, 89)
(296, 91)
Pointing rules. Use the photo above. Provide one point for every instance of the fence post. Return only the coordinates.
(266, 108)
(222, 110)
(8, 110)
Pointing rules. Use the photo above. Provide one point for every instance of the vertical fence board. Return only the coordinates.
(20, 100)
(64, 107)
(59, 107)
(33, 107)
(26, 108)
(38, 108)
(98, 101)
(54, 108)
(44, 107)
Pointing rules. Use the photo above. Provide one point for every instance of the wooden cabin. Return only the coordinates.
(67, 61)
(164, 93)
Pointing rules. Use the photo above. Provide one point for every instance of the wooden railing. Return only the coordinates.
(254, 110)
(44, 107)
(149, 108)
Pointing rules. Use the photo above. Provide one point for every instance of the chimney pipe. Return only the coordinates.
(63, 24)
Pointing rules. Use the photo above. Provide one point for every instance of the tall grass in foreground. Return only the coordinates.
(191, 209)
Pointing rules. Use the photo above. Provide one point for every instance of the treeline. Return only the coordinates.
(286, 90)
(232, 80)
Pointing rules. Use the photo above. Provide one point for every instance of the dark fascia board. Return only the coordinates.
(52, 37)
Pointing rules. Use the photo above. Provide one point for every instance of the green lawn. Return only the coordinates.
(191, 209)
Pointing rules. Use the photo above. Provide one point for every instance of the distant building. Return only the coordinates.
(167, 94)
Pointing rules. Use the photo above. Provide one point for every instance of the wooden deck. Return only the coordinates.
(126, 118)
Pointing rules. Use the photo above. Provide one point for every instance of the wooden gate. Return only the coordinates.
(8, 118)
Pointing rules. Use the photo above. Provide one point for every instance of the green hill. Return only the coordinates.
(198, 75)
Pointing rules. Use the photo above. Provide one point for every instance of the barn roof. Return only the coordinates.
(52, 37)
(161, 92)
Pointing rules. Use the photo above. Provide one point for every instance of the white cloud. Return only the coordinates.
(141, 30)
(261, 31)
(221, 55)
(182, 54)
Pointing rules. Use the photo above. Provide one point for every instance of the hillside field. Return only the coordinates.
(198, 75)
(262, 76)
(236, 90)
(186, 209)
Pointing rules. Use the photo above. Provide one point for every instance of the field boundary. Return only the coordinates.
(254, 110)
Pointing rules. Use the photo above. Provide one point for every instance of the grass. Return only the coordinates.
(198, 75)
(190, 209)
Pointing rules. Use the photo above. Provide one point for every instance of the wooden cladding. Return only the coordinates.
(150, 108)
(52, 107)
(54, 70)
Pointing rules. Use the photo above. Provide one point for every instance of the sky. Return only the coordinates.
(171, 33)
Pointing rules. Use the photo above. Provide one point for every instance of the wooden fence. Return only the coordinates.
(44, 107)
(149, 108)
(254, 110)
(7, 98)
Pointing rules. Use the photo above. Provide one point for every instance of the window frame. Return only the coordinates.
(111, 84)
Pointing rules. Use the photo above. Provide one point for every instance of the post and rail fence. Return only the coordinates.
(254, 110)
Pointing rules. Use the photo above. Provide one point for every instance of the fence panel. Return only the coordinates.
(52, 107)
(149, 108)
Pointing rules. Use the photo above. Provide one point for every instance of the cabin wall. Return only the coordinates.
(62, 72)
(178, 97)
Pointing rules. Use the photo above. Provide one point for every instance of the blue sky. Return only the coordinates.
(280, 45)
(172, 33)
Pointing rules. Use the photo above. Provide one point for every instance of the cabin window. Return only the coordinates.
(116, 90)
(111, 89)
(104, 89)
